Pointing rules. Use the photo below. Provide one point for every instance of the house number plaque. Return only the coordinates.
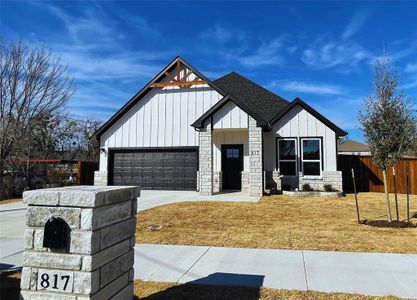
(255, 152)
(52, 280)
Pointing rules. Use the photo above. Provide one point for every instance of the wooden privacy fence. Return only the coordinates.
(369, 177)
(85, 172)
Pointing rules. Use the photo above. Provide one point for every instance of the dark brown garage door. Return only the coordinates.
(162, 169)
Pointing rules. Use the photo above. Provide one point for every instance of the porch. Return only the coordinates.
(230, 159)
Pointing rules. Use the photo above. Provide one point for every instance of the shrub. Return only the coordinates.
(328, 188)
(306, 187)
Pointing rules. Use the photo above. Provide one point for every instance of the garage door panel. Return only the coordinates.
(160, 169)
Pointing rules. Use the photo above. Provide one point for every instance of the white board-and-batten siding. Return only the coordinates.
(300, 123)
(162, 118)
(230, 116)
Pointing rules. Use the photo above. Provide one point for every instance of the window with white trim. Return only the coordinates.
(287, 156)
(311, 156)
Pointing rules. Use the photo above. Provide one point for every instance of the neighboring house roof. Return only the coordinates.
(315, 113)
(352, 146)
(139, 95)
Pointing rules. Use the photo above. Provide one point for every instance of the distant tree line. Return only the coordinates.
(34, 122)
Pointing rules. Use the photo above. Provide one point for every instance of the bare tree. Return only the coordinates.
(387, 120)
(34, 85)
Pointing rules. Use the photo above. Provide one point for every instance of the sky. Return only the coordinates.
(322, 52)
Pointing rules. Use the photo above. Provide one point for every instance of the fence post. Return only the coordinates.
(407, 182)
(395, 193)
(356, 197)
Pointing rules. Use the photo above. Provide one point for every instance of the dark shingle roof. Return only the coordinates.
(262, 103)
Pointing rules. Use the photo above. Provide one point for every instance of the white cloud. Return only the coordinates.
(355, 24)
(269, 53)
(221, 34)
(306, 87)
(410, 84)
(106, 72)
(411, 68)
(327, 53)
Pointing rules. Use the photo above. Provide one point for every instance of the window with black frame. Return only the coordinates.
(311, 156)
(287, 157)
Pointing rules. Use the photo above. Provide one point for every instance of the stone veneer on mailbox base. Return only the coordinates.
(99, 257)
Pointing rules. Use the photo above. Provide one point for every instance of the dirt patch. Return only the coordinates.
(10, 285)
(393, 224)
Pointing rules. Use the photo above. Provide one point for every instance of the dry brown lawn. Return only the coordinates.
(6, 201)
(163, 290)
(283, 222)
(9, 289)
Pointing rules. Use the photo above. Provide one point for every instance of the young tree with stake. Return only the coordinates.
(388, 120)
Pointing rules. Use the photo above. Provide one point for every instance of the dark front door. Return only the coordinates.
(232, 166)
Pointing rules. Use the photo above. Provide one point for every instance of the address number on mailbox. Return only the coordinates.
(53, 280)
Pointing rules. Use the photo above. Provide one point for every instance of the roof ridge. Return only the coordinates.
(252, 82)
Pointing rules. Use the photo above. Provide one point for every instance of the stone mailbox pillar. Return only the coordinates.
(79, 243)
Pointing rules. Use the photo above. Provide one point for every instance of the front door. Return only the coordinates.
(232, 166)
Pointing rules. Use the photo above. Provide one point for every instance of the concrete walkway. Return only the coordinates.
(375, 274)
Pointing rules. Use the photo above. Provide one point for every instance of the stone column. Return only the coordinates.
(100, 177)
(255, 159)
(206, 160)
(95, 227)
(217, 181)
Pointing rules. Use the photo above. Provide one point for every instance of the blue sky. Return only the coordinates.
(319, 51)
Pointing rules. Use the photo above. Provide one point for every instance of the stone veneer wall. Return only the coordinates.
(334, 178)
(205, 156)
(255, 159)
(217, 181)
(272, 182)
(245, 182)
(100, 177)
(99, 257)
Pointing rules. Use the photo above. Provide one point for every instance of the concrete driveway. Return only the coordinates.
(150, 199)
(12, 227)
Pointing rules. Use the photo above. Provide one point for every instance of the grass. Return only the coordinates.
(162, 290)
(284, 222)
(10, 282)
(14, 200)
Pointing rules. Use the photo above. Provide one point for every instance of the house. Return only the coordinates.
(353, 148)
(183, 131)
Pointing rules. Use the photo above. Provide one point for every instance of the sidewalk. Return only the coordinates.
(375, 274)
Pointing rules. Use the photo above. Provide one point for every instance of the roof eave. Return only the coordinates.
(199, 123)
(298, 101)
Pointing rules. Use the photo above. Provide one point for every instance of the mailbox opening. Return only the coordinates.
(56, 234)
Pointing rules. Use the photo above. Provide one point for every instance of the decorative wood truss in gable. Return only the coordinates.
(179, 78)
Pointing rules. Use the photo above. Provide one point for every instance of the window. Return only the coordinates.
(287, 157)
(311, 156)
(232, 153)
